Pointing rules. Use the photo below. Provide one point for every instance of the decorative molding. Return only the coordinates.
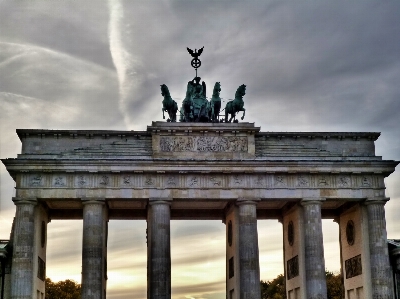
(203, 144)
(353, 266)
(200, 180)
(293, 267)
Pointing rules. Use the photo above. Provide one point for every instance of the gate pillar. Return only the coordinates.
(381, 280)
(28, 272)
(294, 253)
(94, 249)
(314, 249)
(242, 256)
(158, 249)
(354, 252)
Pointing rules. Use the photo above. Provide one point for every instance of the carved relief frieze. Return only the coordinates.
(215, 181)
(200, 180)
(280, 180)
(59, 181)
(353, 267)
(104, 181)
(171, 181)
(344, 181)
(259, 181)
(149, 181)
(323, 181)
(126, 180)
(36, 180)
(366, 181)
(203, 144)
(238, 181)
(81, 181)
(193, 181)
(303, 180)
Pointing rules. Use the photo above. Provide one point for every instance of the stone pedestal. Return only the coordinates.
(94, 249)
(381, 280)
(314, 250)
(158, 250)
(22, 273)
(248, 250)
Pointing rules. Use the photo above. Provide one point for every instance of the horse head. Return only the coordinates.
(217, 89)
(240, 92)
(164, 91)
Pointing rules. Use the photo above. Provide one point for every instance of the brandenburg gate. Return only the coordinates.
(226, 171)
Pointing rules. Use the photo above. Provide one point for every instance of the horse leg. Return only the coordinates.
(244, 111)
(163, 116)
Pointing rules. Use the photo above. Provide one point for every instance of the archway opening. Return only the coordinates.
(198, 259)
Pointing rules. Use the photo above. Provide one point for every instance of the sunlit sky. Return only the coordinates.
(308, 66)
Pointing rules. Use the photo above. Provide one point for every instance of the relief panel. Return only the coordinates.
(203, 144)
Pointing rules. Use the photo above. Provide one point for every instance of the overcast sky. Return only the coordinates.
(308, 66)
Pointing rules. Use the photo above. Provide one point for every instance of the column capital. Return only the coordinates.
(376, 201)
(160, 201)
(247, 201)
(312, 201)
(25, 200)
(93, 200)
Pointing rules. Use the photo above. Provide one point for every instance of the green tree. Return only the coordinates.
(67, 289)
(334, 285)
(273, 289)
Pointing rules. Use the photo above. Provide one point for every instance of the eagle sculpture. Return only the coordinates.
(195, 53)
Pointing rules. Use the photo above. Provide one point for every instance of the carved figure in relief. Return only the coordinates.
(344, 181)
(237, 180)
(169, 105)
(59, 181)
(302, 181)
(149, 181)
(104, 180)
(233, 107)
(37, 180)
(280, 180)
(323, 181)
(259, 181)
(366, 182)
(193, 181)
(127, 180)
(215, 103)
(215, 181)
(171, 181)
(81, 180)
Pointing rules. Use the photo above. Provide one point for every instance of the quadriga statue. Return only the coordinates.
(215, 103)
(169, 105)
(236, 105)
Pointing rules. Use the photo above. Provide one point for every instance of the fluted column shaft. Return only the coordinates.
(93, 249)
(159, 250)
(248, 251)
(378, 248)
(23, 260)
(314, 250)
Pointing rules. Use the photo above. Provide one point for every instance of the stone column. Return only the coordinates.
(22, 272)
(314, 249)
(93, 249)
(249, 263)
(158, 250)
(381, 280)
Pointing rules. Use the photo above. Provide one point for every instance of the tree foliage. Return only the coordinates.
(275, 289)
(67, 289)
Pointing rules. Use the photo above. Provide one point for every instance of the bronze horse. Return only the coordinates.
(232, 107)
(169, 104)
(215, 103)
